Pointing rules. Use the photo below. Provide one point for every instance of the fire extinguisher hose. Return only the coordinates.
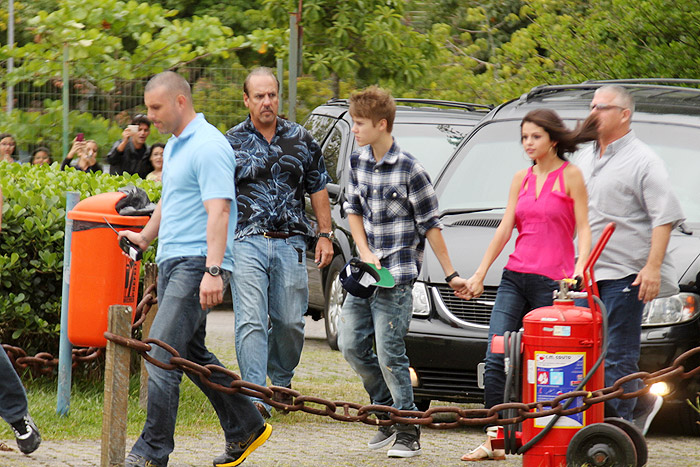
(596, 365)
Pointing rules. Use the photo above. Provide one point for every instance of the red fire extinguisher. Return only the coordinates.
(561, 350)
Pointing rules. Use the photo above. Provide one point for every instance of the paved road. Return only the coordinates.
(321, 442)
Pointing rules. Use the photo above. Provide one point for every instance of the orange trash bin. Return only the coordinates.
(100, 275)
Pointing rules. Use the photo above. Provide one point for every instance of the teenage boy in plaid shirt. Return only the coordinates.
(392, 209)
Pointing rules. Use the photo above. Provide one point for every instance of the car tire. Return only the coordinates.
(335, 296)
(687, 418)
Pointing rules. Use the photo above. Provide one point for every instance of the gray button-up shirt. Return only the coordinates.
(629, 185)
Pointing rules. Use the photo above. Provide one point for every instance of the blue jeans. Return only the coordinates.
(381, 320)
(13, 399)
(518, 293)
(181, 323)
(269, 281)
(624, 337)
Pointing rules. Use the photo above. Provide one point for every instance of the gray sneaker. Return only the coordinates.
(26, 434)
(385, 435)
(134, 460)
(407, 444)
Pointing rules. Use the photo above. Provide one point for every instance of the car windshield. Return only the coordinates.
(480, 176)
(431, 144)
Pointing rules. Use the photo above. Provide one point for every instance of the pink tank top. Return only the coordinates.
(546, 225)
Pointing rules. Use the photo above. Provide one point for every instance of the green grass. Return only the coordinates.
(321, 372)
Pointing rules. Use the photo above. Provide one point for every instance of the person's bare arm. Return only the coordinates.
(322, 209)
(211, 289)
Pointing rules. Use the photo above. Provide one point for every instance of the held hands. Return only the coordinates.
(473, 289)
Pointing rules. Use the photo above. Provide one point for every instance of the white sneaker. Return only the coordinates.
(643, 420)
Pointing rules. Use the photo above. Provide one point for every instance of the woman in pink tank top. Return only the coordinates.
(548, 205)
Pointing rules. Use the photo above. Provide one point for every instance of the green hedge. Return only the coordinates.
(31, 247)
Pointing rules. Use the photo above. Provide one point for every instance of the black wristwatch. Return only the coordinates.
(329, 235)
(213, 270)
(451, 276)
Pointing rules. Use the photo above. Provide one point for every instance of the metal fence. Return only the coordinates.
(37, 115)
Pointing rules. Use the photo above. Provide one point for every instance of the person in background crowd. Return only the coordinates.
(87, 156)
(41, 155)
(156, 159)
(8, 148)
(13, 399)
(130, 154)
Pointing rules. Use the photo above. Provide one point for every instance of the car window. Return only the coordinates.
(480, 175)
(331, 152)
(431, 144)
(319, 126)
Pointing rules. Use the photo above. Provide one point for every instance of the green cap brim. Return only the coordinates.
(385, 277)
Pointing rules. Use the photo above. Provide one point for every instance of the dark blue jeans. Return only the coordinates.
(181, 323)
(517, 294)
(13, 399)
(624, 337)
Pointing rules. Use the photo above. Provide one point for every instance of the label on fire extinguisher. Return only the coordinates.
(554, 374)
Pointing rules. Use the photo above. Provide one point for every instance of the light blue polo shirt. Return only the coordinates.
(198, 165)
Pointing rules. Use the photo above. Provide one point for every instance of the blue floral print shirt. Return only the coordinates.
(272, 178)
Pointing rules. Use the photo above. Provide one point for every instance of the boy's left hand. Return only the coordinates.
(461, 287)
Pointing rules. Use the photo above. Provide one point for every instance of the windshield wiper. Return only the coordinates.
(453, 212)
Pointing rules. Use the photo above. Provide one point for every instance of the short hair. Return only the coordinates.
(38, 150)
(622, 95)
(259, 71)
(175, 83)
(140, 119)
(375, 104)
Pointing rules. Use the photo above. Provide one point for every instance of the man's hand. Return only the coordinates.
(369, 257)
(461, 287)
(135, 237)
(211, 291)
(324, 252)
(649, 282)
(126, 134)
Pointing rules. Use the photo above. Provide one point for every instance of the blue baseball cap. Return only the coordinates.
(361, 279)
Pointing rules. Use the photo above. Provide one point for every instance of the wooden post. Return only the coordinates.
(150, 272)
(116, 394)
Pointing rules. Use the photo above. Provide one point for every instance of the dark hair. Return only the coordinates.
(38, 150)
(155, 145)
(567, 140)
(374, 103)
(259, 71)
(174, 83)
(139, 119)
(7, 135)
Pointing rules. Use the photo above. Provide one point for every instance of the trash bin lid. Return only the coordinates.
(100, 207)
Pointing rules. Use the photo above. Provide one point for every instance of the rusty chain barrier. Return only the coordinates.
(44, 363)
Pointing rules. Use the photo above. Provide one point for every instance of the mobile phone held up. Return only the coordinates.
(80, 137)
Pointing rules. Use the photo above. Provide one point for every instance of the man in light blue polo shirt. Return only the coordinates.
(195, 222)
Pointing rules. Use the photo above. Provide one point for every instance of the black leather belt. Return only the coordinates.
(276, 234)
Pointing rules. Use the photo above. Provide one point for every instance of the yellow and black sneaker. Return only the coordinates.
(237, 452)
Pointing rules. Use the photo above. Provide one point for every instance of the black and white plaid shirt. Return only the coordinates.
(398, 206)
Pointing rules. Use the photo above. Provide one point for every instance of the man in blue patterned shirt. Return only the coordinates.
(277, 162)
(392, 209)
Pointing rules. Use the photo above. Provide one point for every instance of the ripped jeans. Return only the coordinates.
(384, 317)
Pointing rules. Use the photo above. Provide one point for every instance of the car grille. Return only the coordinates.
(455, 384)
(476, 311)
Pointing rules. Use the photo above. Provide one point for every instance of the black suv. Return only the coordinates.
(430, 130)
(447, 340)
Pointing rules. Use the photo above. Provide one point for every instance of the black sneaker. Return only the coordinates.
(407, 443)
(237, 452)
(27, 434)
(134, 460)
(384, 436)
(643, 420)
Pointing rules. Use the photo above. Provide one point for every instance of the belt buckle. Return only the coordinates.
(265, 235)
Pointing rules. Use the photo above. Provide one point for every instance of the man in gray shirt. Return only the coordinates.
(628, 184)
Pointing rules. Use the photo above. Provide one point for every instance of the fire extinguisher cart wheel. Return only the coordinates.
(640, 444)
(601, 445)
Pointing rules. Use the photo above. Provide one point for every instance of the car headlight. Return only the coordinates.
(421, 304)
(671, 310)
